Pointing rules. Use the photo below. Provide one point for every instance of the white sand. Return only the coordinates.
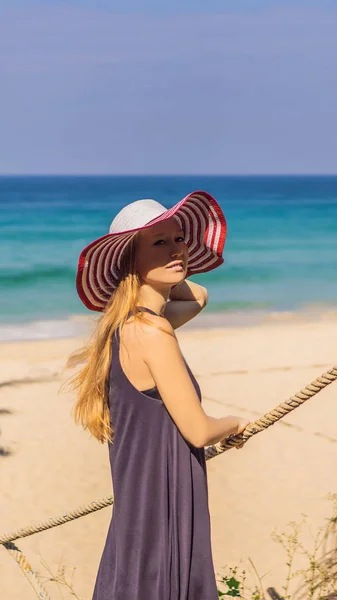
(280, 473)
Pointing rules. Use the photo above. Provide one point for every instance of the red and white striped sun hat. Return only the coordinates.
(199, 216)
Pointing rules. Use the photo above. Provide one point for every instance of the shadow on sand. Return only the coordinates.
(5, 451)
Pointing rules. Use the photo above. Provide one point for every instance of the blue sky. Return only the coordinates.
(183, 87)
(174, 6)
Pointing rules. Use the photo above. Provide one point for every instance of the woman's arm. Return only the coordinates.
(187, 299)
(162, 355)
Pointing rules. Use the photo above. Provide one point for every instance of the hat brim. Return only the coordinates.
(204, 226)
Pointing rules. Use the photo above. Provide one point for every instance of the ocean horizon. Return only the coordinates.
(280, 253)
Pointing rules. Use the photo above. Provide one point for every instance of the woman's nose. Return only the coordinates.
(176, 251)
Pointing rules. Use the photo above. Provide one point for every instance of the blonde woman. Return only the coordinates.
(137, 393)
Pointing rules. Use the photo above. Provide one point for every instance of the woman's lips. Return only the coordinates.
(176, 268)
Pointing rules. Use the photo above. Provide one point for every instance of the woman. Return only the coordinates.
(137, 393)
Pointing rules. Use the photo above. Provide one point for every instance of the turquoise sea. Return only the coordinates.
(280, 253)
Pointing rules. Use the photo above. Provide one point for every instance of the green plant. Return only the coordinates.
(318, 580)
(235, 585)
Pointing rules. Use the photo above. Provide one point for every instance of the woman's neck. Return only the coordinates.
(153, 298)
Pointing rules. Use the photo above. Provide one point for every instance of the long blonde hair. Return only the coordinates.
(91, 409)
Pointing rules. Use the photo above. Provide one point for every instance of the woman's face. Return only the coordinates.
(162, 255)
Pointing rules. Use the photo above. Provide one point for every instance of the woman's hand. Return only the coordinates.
(241, 426)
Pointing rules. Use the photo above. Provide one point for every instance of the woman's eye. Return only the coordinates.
(160, 242)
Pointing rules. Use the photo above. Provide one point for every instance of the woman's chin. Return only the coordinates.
(177, 277)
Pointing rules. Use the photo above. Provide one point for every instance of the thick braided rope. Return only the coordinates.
(55, 521)
(27, 571)
(274, 415)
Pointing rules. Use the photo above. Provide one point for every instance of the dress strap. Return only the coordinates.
(145, 309)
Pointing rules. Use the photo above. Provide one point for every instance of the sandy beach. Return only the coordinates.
(53, 466)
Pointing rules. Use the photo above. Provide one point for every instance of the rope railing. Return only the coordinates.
(275, 414)
(232, 441)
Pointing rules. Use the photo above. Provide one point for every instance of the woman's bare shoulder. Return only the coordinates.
(149, 332)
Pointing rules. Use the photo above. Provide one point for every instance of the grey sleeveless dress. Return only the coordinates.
(158, 545)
